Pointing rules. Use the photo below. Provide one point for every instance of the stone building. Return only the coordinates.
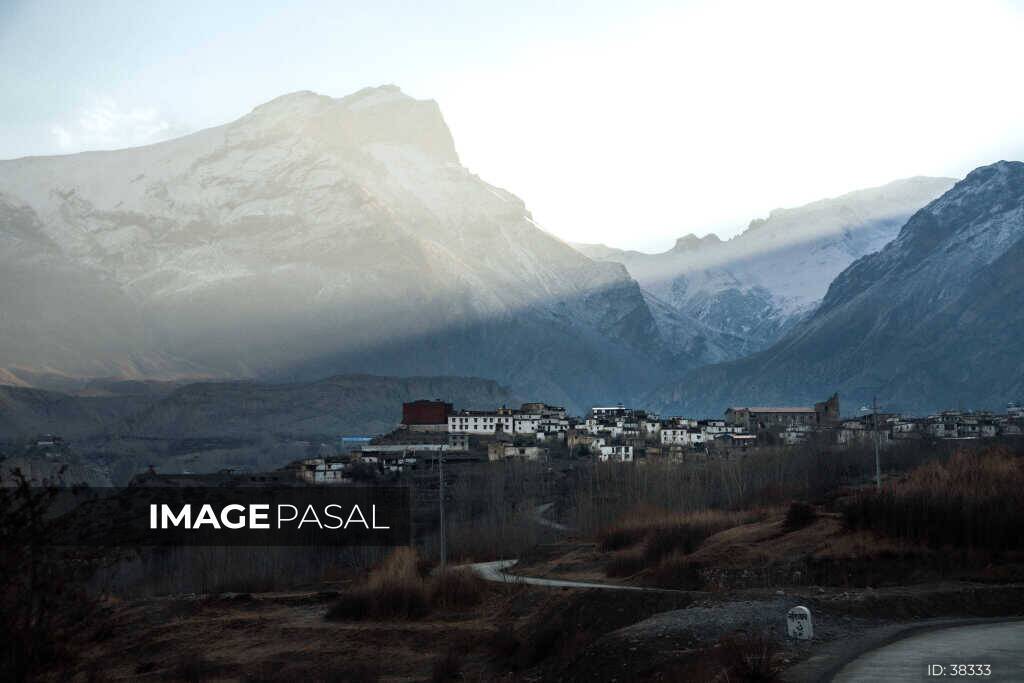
(765, 417)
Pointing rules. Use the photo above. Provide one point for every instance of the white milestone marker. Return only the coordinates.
(798, 622)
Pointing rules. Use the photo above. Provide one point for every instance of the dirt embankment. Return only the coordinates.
(767, 554)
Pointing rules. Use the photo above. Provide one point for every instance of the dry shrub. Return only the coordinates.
(664, 533)
(618, 538)
(456, 588)
(798, 516)
(749, 657)
(599, 496)
(970, 501)
(395, 590)
(43, 589)
(677, 571)
(398, 590)
(353, 605)
(626, 563)
(684, 538)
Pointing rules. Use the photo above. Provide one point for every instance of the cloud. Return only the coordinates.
(107, 125)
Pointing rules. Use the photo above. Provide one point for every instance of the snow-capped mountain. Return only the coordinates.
(933, 320)
(756, 286)
(312, 236)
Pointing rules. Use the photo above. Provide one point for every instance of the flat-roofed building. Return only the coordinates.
(766, 417)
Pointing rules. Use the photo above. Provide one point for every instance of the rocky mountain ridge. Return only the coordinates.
(757, 285)
(313, 236)
(931, 321)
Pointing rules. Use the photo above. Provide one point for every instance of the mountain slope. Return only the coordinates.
(26, 412)
(312, 236)
(345, 404)
(757, 285)
(932, 321)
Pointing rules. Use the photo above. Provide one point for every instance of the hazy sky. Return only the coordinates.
(624, 123)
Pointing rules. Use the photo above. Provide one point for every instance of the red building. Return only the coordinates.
(424, 413)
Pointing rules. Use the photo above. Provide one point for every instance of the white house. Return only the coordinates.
(606, 412)
(479, 422)
(550, 436)
(544, 410)
(553, 424)
(797, 433)
(526, 424)
(616, 454)
(321, 471)
(458, 442)
(651, 427)
(675, 436)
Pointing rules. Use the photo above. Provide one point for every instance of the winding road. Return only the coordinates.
(495, 571)
(540, 515)
(1000, 646)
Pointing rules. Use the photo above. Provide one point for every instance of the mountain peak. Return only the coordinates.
(691, 242)
(1000, 171)
(293, 102)
(374, 115)
(308, 103)
(967, 208)
(374, 96)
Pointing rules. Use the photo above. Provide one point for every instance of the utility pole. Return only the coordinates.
(878, 462)
(440, 502)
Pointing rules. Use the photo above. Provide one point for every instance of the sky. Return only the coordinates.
(624, 123)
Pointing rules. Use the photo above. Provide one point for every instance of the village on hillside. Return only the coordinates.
(432, 430)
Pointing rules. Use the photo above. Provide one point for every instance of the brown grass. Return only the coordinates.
(749, 657)
(618, 538)
(970, 501)
(398, 590)
(799, 515)
(664, 533)
(677, 571)
(625, 563)
(456, 589)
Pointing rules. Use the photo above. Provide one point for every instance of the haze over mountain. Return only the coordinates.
(344, 404)
(313, 236)
(934, 320)
(756, 286)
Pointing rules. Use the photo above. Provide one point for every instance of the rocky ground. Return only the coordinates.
(517, 633)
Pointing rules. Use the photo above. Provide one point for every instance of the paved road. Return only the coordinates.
(999, 645)
(495, 571)
(540, 514)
